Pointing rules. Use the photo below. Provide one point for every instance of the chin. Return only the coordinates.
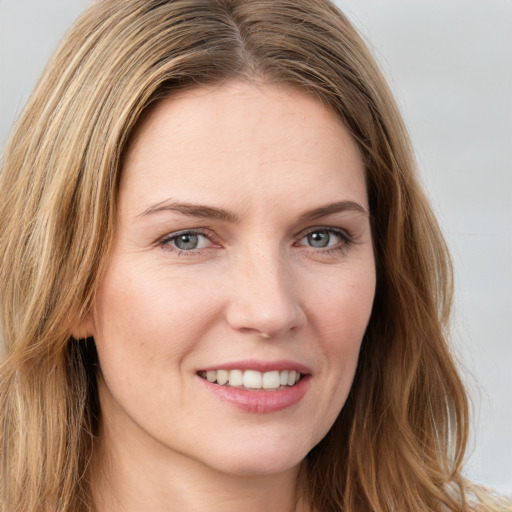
(262, 459)
(261, 467)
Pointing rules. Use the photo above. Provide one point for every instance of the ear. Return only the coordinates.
(83, 328)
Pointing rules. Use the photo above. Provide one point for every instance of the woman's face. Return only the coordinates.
(243, 252)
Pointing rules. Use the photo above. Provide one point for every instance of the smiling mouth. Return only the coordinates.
(252, 379)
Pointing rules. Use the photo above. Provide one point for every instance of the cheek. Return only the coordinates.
(342, 308)
(149, 313)
(341, 314)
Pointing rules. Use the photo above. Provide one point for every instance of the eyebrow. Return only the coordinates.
(192, 210)
(332, 208)
(210, 212)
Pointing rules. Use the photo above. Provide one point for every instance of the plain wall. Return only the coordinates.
(450, 65)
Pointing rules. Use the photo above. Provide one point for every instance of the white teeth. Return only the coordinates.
(222, 377)
(271, 380)
(236, 378)
(253, 379)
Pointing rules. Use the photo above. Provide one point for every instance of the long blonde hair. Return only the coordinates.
(399, 442)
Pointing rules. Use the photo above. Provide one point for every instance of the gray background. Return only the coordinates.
(449, 63)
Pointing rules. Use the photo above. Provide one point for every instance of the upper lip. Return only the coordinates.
(260, 365)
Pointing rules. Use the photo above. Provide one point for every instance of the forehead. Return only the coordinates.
(241, 139)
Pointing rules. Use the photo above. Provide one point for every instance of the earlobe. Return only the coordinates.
(83, 328)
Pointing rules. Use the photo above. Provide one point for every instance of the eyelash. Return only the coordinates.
(166, 241)
(346, 240)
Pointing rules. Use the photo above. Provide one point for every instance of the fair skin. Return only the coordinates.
(243, 245)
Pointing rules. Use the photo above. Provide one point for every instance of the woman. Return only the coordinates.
(224, 288)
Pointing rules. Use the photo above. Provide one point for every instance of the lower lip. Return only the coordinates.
(260, 401)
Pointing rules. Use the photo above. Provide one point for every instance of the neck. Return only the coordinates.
(131, 476)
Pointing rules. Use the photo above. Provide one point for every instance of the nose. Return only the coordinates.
(264, 297)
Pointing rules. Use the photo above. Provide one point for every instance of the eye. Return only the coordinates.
(187, 241)
(322, 238)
